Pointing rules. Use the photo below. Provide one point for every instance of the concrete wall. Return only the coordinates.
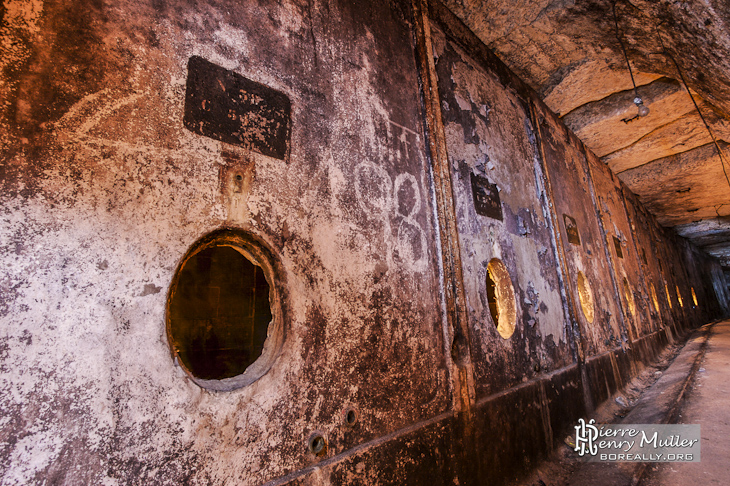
(105, 191)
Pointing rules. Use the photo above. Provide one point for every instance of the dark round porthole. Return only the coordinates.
(317, 444)
(223, 318)
(350, 416)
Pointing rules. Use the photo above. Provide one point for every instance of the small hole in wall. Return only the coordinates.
(679, 296)
(238, 183)
(586, 297)
(694, 296)
(350, 416)
(317, 444)
(654, 299)
(629, 296)
(221, 324)
(501, 298)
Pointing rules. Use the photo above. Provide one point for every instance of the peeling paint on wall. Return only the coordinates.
(104, 191)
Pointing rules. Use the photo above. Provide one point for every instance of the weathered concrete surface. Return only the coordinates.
(104, 190)
(651, 258)
(572, 197)
(683, 188)
(625, 258)
(489, 135)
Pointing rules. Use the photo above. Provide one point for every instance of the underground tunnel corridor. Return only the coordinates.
(339, 242)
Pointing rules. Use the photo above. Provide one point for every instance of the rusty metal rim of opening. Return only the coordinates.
(257, 251)
(500, 278)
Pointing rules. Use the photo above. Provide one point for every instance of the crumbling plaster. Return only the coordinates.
(104, 191)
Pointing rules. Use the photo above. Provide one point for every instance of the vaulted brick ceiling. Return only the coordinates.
(569, 52)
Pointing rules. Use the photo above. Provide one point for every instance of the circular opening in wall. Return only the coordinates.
(629, 296)
(669, 297)
(586, 297)
(679, 296)
(694, 296)
(317, 444)
(349, 416)
(501, 298)
(223, 319)
(654, 299)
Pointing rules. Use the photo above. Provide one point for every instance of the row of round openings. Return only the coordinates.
(224, 281)
(501, 298)
(223, 320)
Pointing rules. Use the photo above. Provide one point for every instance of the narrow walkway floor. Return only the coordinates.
(688, 384)
(707, 404)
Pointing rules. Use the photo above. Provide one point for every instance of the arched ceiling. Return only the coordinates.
(570, 53)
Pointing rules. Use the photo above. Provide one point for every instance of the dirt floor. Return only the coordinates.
(707, 404)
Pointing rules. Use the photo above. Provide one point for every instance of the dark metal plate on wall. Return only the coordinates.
(225, 106)
(571, 227)
(617, 245)
(486, 197)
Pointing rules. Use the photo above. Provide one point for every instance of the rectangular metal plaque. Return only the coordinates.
(571, 227)
(486, 197)
(617, 245)
(225, 106)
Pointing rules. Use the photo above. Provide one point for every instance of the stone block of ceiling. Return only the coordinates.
(680, 135)
(683, 188)
(489, 145)
(720, 251)
(610, 124)
(587, 81)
